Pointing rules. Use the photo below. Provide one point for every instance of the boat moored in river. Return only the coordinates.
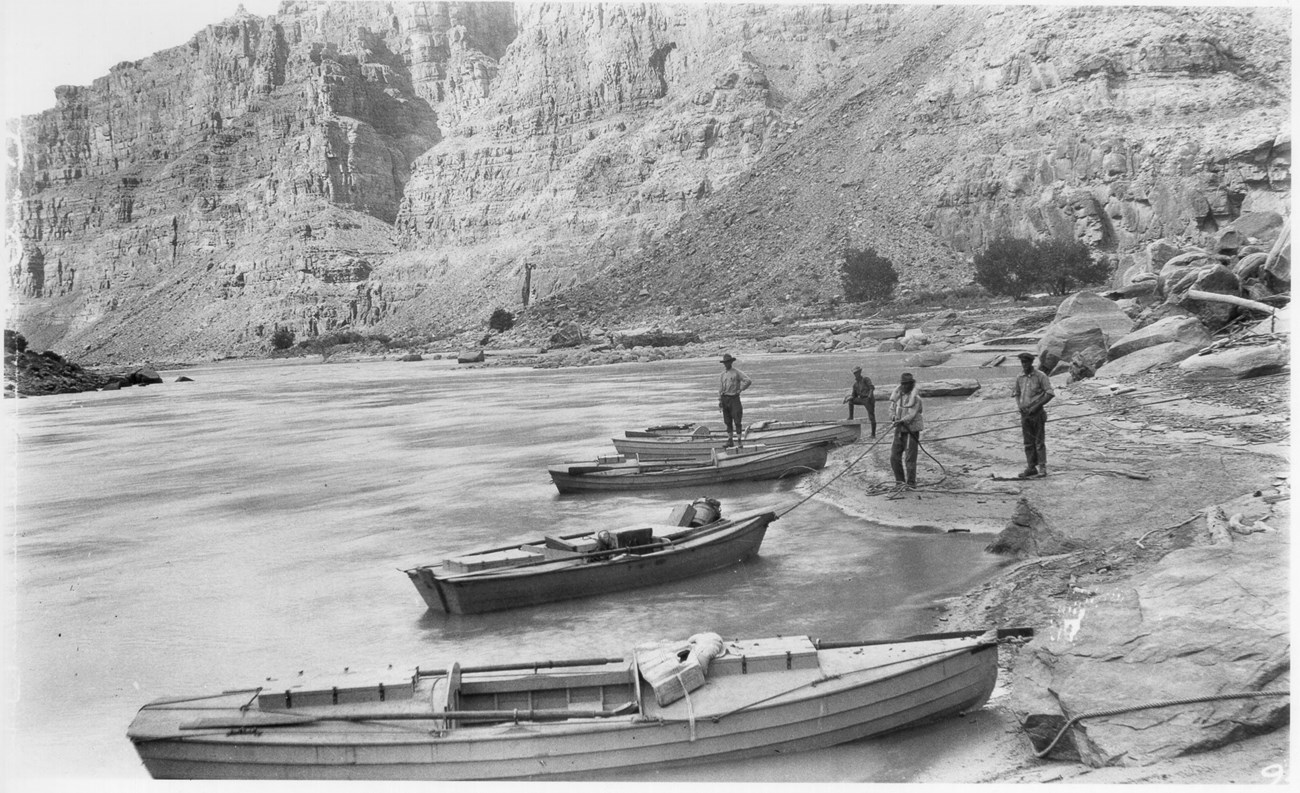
(590, 563)
(623, 472)
(663, 704)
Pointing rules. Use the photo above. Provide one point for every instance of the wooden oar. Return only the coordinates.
(275, 718)
(1003, 633)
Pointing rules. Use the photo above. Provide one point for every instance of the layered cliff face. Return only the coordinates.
(408, 167)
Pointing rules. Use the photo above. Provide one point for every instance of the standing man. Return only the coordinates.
(905, 410)
(863, 393)
(1033, 390)
(729, 387)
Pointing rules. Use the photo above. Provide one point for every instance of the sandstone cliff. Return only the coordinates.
(408, 167)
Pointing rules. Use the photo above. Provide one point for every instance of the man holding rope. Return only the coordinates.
(1033, 390)
(905, 410)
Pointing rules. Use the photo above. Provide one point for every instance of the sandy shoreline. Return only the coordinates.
(1122, 469)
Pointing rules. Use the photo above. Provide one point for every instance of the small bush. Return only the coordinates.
(14, 341)
(282, 339)
(867, 276)
(1068, 266)
(1008, 266)
(501, 320)
(1016, 267)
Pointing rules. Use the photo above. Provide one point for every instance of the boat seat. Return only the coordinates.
(556, 544)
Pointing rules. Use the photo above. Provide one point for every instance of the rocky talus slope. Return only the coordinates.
(406, 168)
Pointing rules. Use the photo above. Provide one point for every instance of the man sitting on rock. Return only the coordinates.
(864, 394)
(1033, 390)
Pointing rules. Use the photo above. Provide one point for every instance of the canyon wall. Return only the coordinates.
(408, 167)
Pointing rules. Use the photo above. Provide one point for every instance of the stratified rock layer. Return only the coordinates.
(409, 167)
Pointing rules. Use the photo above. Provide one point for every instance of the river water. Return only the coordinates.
(252, 524)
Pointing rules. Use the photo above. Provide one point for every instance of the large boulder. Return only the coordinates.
(141, 377)
(1250, 228)
(1278, 267)
(1184, 631)
(470, 356)
(927, 358)
(1075, 334)
(1214, 279)
(1178, 267)
(1182, 329)
(883, 331)
(1237, 363)
(1028, 535)
(940, 388)
(1146, 359)
(569, 335)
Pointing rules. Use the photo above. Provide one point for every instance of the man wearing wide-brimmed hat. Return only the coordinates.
(729, 387)
(905, 410)
(1033, 390)
(864, 394)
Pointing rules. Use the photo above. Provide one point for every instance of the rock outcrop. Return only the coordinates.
(1183, 632)
(406, 168)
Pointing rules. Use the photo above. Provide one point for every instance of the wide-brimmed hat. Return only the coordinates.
(726, 358)
(1026, 356)
(857, 369)
(907, 378)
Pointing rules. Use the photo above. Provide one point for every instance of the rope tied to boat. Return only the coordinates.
(921, 447)
(1149, 705)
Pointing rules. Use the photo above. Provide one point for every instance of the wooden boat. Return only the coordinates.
(620, 472)
(702, 441)
(665, 704)
(580, 565)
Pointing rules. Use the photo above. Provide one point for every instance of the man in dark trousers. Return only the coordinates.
(864, 394)
(1033, 390)
(905, 411)
(733, 381)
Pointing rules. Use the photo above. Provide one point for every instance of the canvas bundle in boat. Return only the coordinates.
(674, 670)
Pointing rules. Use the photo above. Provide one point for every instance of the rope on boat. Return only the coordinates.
(1161, 704)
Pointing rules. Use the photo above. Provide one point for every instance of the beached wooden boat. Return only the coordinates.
(665, 704)
(701, 442)
(589, 563)
(621, 472)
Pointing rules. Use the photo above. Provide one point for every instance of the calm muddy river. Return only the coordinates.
(252, 524)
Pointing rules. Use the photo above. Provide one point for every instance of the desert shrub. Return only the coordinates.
(1068, 266)
(501, 320)
(282, 339)
(1016, 267)
(14, 341)
(1008, 266)
(868, 276)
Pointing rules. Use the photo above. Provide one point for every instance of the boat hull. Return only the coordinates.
(761, 713)
(684, 446)
(774, 464)
(713, 548)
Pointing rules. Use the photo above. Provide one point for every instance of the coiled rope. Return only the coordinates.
(1162, 704)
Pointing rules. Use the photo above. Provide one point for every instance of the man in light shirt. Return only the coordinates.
(733, 381)
(1033, 390)
(905, 411)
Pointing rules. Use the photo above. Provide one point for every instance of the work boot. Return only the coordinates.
(1042, 472)
(1028, 473)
